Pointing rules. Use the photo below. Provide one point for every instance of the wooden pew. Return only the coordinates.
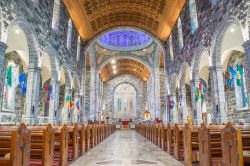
(191, 144)
(164, 137)
(210, 152)
(73, 143)
(61, 145)
(159, 129)
(81, 139)
(170, 139)
(178, 142)
(14, 146)
(87, 137)
(236, 145)
(42, 145)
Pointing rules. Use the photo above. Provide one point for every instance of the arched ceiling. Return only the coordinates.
(92, 17)
(124, 66)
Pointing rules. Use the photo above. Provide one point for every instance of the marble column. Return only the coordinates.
(54, 102)
(66, 114)
(76, 113)
(196, 105)
(3, 48)
(184, 105)
(32, 95)
(218, 95)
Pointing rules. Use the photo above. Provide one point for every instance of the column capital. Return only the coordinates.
(3, 45)
(34, 69)
(53, 81)
(215, 68)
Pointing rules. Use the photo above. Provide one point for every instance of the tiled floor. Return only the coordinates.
(126, 148)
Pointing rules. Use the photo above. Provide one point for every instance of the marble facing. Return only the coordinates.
(126, 148)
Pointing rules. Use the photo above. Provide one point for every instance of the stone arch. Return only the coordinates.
(53, 54)
(34, 56)
(173, 83)
(68, 77)
(77, 83)
(182, 74)
(1, 26)
(216, 49)
(121, 27)
(196, 61)
(131, 56)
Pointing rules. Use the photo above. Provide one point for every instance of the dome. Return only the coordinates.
(125, 40)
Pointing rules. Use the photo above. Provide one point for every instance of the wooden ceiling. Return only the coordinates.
(92, 17)
(124, 66)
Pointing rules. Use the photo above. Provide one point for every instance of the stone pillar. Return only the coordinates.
(54, 102)
(66, 113)
(196, 105)
(82, 92)
(3, 48)
(32, 95)
(218, 94)
(157, 95)
(76, 113)
(184, 105)
(174, 111)
(246, 46)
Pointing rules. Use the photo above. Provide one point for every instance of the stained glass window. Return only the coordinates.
(56, 15)
(124, 39)
(180, 36)
(78, 48)
(171, 48)
(193, 15)
(69, 34)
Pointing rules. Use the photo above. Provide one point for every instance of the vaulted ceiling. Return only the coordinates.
(92, 17)
(124, 66)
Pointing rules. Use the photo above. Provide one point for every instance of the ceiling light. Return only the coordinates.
(232, 29)
(114, 71)
(113, 62)
(113, 67)
(17, 31)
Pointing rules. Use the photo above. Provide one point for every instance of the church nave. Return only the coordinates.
(126, 148)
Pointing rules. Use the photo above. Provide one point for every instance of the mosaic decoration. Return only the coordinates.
(125, 40)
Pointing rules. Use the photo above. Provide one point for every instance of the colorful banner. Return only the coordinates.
(22, 83)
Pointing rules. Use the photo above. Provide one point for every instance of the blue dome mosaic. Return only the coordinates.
(125, 39)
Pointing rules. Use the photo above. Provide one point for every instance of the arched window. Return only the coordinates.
(171, 48)
(78, 48)
(180, 36)
(69, 35)
(56, 15)
(213, 2)
(193, 15)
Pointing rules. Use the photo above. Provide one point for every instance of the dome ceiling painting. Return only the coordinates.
(92, 17)
(125, 40)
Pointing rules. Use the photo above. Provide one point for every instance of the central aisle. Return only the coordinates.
(126, 148)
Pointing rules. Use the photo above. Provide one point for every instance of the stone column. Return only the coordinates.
(174, 111)
(184, 105)
(54, 101)
(32, 95)
(157, 95)
(246, 46)
(218, 94)
(92, 83)
(196, 105)
(76, 113)
(82, 92)
(66, 113)
(3, 48)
